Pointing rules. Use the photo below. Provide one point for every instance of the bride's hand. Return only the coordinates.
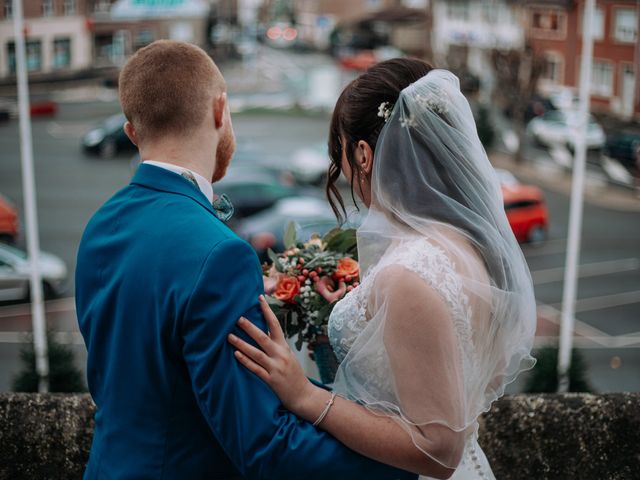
(275, 363)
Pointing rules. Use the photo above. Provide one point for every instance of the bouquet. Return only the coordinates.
(305, 281)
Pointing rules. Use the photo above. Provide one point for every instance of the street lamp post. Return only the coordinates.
(29, 192)
(577, 199)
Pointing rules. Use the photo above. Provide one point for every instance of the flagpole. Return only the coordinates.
(577, 199)
(28, 187)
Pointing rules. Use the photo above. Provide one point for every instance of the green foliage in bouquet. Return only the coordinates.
(64, 376)
(311, 276)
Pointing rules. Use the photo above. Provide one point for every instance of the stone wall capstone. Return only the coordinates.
(532, 437)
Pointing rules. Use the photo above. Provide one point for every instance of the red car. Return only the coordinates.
(526, 212)
(8, 221)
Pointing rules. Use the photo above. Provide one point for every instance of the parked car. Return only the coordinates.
(14, 274)
(266, 230)
(43, 108)
(623, 147)
(253, 189)
(559, 127)
(309, 165)
(108, 139)
(526, 212)
(9, 224)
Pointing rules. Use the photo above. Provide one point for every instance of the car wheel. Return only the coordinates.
(537, 235)
(108, 149)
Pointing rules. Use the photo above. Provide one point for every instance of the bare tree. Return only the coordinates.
(517, 74)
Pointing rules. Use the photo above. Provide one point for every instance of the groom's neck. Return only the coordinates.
(195, 153)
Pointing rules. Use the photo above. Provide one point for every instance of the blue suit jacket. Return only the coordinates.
(160, 282)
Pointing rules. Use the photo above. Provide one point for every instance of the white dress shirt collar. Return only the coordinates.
(203, 184)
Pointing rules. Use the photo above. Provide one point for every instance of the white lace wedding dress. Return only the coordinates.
(349, 322)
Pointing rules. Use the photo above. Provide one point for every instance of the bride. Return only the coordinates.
(444, 316)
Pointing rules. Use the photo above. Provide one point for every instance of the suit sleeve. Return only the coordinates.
(263, 440)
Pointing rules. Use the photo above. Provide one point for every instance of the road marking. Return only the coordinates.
(550, 247)
(587, 270)
(605, 301)
(59, 305)
(587, 335)
(622, 341)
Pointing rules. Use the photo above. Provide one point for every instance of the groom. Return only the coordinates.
(161, 282)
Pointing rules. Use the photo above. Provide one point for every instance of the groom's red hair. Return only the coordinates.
(167, 87)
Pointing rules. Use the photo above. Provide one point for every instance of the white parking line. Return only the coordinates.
(587, 270)
(587, 335)
(551, 247)
(607, 301)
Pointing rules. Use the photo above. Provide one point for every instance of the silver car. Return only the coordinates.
(14, 274)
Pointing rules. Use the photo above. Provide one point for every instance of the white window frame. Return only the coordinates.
(48, 8)
(614, 25)
(457, 7)
(557, 58)
(69, 7)
(8, 9)
(563, 19)
(605, 91)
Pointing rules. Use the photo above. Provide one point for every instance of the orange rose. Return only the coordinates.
(347, 269)
(287, 289)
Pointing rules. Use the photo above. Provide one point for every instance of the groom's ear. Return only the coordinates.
(131, 133)
(219, 107)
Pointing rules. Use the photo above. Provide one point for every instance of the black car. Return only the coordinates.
(266, 229)
(108, 139)
(253, 189)
(623, 147)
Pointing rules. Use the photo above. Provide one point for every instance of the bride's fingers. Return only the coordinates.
(272, 321)
(253, 367)
(253, 353)
(261, 338)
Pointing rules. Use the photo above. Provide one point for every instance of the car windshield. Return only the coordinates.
(6, 249)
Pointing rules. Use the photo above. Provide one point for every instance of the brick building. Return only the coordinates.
(554, 29)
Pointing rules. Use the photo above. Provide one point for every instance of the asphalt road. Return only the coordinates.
(71, 186)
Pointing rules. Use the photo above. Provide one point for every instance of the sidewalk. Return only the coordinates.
(556, 178)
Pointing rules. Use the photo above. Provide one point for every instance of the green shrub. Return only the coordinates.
(64, 376)
(544, 376)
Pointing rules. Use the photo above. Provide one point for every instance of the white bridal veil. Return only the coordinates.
(454, 325)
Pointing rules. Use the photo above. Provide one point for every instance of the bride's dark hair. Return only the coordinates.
(355, 117)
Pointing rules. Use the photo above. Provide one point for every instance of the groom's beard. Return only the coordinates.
(224, 153)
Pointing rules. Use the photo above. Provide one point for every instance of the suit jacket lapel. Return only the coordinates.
(157, 178)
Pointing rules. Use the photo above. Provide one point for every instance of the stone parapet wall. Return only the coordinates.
(571, 436)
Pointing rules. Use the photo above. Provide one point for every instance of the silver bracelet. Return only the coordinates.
(325, 411)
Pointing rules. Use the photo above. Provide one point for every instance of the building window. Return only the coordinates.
(553, 68)
(597, 27)
(69, 7)
(47, 8)
(458, 10)
(626, 25)
(374, 4)
(34, 56)
(62, 53)
(549, 23)
(8, 9)
(602, 79)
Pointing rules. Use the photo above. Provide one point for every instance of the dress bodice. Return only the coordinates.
(350, 318)
(432, 264)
